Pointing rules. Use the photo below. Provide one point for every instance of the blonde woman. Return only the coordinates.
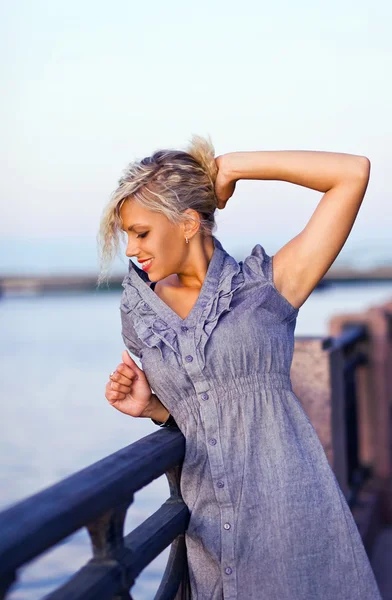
(215, 338)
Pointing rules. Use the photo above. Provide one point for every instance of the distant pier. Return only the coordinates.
(24, 285)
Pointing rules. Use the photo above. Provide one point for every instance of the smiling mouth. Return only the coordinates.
(147, 263)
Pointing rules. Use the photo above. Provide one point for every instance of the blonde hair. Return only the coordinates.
(168, 182)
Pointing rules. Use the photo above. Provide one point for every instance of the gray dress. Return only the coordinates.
(268, 518)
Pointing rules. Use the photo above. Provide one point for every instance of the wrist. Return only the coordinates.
(226, 166)
(248, 165)
(170, 422)
(155, 410)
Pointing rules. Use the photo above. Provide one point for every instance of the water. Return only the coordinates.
(78, 255)
(57, 352)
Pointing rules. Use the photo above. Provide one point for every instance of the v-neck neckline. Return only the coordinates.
(139, 279)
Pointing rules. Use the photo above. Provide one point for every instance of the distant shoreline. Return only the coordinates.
(37, 285)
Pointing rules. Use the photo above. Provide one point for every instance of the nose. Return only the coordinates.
(132, 248)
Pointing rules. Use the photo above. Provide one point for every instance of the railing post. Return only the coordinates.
(107, 537)
(387, 308)
(374, 418)
(380, 382)
(106, 533)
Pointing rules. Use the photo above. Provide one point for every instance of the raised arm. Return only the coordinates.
(300, 264)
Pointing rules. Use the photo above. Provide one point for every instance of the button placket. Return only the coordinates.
(228, 556)
(215, 457)
(191, 363)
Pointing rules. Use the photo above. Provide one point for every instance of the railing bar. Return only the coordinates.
(94, 581)
(171, 521)
(39, 522)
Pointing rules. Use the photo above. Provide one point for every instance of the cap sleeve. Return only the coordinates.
(260, 264)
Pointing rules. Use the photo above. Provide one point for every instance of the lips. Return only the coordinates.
(146, 264)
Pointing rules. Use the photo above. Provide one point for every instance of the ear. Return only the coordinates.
(191, 222)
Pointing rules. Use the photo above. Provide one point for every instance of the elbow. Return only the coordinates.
(363, 168)
(357, 171)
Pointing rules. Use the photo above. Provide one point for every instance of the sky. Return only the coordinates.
(89, 86)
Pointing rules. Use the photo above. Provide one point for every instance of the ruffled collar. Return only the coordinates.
(221, 268)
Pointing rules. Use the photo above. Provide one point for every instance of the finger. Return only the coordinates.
(129, 361)
(127, 381)
(124, 371)
(112, 386)
(113, 397)
(117, 387)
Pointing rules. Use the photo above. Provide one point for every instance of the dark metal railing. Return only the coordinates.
(98, 498)
(353, 342)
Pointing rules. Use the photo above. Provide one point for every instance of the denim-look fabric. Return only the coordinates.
(268, 518)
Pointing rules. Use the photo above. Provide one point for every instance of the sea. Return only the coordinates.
(57, 353)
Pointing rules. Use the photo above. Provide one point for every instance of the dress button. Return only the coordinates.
(184, 328)
(204, 396)
(220, 484)
(146, 305)
(228, 571)
(212, 441)
(227, 526)
(189, 358)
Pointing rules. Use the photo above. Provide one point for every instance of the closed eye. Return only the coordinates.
(142, 235)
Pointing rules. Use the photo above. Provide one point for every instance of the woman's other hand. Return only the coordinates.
(224, 183)
(128, 389)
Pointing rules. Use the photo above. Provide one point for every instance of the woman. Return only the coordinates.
(215, 338)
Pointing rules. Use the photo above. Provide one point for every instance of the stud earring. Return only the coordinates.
(187, 241)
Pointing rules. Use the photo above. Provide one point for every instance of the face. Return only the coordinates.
(152, 236)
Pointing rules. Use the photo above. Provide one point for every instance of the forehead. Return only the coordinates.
(132, 213)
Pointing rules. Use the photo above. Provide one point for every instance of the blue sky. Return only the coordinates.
(89, 86)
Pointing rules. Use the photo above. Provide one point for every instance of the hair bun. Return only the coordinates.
(203, 151)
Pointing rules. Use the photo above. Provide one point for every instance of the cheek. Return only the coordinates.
(169, 257)
(169, 245)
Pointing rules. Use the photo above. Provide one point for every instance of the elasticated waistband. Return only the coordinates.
(272, 380)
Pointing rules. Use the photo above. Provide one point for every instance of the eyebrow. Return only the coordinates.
(131, 228)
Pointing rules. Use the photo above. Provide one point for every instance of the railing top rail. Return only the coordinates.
(352, 334)
(35, 524)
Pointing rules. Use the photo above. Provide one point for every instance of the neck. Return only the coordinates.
(199, 256)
